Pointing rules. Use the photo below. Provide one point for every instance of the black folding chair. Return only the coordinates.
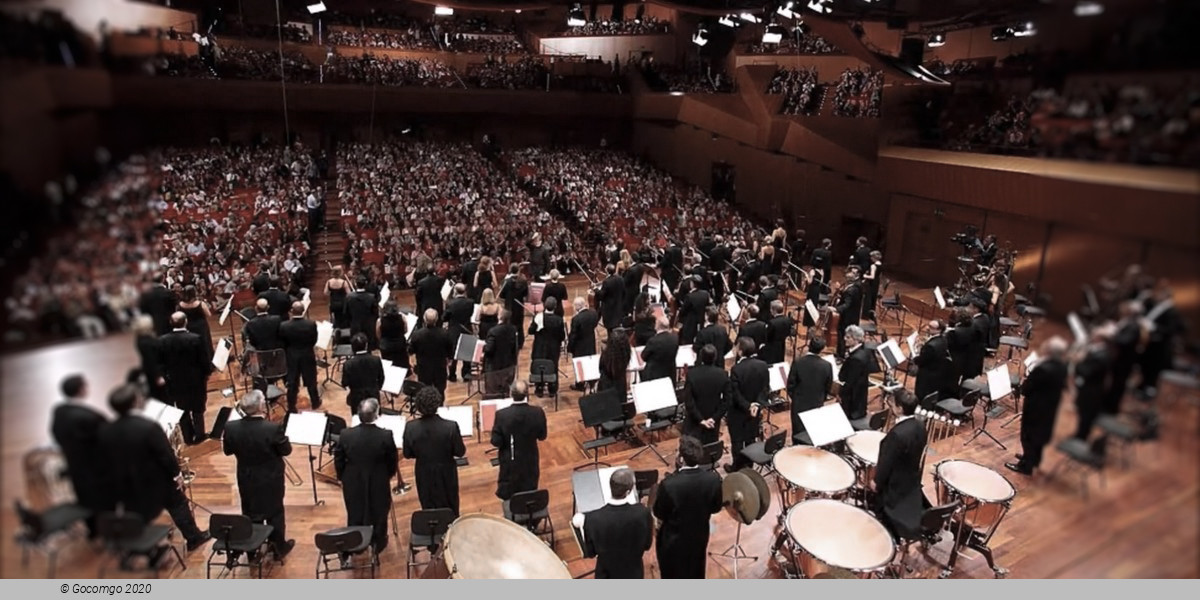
(543, 371)
(42, 531)
(531, 510)
(236, 537)
(265, 368)
(127, 537)
(712, 454)
(340, 545)
(645, 482)
(763, 453)
(428, 528)
(934, 521)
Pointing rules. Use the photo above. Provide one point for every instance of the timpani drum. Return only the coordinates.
(480, 546)
(828, 536)
(814, 471)
(986, 498)
(864, 450)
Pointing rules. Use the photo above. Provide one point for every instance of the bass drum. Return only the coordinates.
(480, 546)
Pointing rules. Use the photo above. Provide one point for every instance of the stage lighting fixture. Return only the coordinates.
(785, 10)
(820, 6)
(443, 11)
(749, 18)
(773, 34)
(316, 9)
(1000, 34)
(575, 17)
(700, 38)
(1026, 29)
(937, 39)
(728, 21)
(1087, 8)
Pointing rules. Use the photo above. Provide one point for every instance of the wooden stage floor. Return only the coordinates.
(1144, 522)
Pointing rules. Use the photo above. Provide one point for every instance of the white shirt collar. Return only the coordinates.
(900, 420)
(687, 468)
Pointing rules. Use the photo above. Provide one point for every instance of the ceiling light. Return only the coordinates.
(443, 11)
(937, 39)
(820, 6)
(700, 38)
(316, 9)
(747, 17)
(773, 34)
(1024, 30)
(1087, 8)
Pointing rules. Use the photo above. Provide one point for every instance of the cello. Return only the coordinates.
(827, 327)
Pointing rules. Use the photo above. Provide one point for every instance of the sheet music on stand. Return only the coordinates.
(225, 311)
(1031, 360)
(221, 354)
(324, 335)
(892, 355)
(536, 290)
(469, 348)
(635, 359)
(463, 415)
(911, 340)
(393, 379)
(410, 324)
(306, 300)
(734, 309)
(812, 311)
(826, 425)
(586, 368)
(307, 428)
(941, 300)
(1077, 328)
(778, 374)
(999, 382)
(446, 290)
(488, 409)
(475, 314)
(385, 294)
(392, 423)
(833, 363)
(167, 416)
(685, 357)
(656, 394)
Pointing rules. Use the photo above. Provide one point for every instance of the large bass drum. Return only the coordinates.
(480, 546)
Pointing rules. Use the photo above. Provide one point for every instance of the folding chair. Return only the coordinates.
(265, 368)
(543, 371)
(1083, 457)
(428, 528)
(645, 482)
(964, 409)
(763, 453)
(42, 531)
(342, 543)
(712, 454)
(237, 536)
(127, 537)
(531, 510)
(934, 521)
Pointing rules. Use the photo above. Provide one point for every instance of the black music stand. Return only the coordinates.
(655, 396)
(597, 409)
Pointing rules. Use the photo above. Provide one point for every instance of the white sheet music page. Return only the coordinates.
(385, 294)
(324, 335)
(827, 424)
(778, 373)
(221, 355)
(735, 309)
(463, 415)
(833, 363)
(1031, 361)
(225, 312)
(307, 428)
(911, 340)
(586, 368)
(393, 378)
(941, 300)
(999, 382)
(812, 311)
(410, 323)
(685, 357)
(655, 394)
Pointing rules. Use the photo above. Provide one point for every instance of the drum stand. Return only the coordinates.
(966, 536)
(735, 552)
(982, 430)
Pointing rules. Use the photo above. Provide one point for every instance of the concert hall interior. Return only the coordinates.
(643, 289)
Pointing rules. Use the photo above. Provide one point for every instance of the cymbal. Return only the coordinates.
(740, 497)
(764, 492)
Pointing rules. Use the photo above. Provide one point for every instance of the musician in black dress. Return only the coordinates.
(299, 337)
(898, 474)
(685, 503)
(548, 339)
(751, 382)
(871, 277)
(1042, 391)
(641, 320)
(707, 395)
(435, 444)
(338, 289)
(809, 382)
(713, 333)
(362, 375)
(365, 460)
(515, 433)
(260, 446)
(614, 363)
(393, 336)
(618, 533)
(76, 430)
(186, 366)
(197, 313)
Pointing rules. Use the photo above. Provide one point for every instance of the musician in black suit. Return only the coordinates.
(428, 294)
(706, 246)
(632, 280)
(751, 382)
(611, 297)
(1124, 350)
(143, 472)
(670, 266)
(934, 368)
(515, 291)
(548, 339)
(186, 366)
(1091, 382)
(362, 308)
(76, 429)
(262, 280)
(799, 247)
(691, 312)
(260, 446)
(1168, 326)
(853, 373)
(767, 293)
(261, 333)
(538, 256)
(809, 382)
(898, 474)
(458, 322)
(557, 290)
(707, 395)
(981, 327)
(862, 255)
(299, 337)
(516, 432)
(362, 375)
(278, 301)
(754, 327)
(660, 352)
(618, 533)
(581, 341)
(713, 333)
(1042, 390)
(822, 259)
(365, 460)
(467, 273)
(958, 342)
(684, 505)
(434, 443)
(779, 329)
(849, 308)
(158, 302)
(433, 348)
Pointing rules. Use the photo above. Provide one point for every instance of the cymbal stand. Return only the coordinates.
(735, 552)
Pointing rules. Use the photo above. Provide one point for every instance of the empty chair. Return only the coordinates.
(43, 531)
(127, 538)
(237, 537)
(934, 520)
(712, 454)
(428, 528)
(1083, 457)
(342, 544)
(265, 368)
(644, 482)
(1124, 433)
(763, 453)
(963, 410)
(531, 510)
(544, 372)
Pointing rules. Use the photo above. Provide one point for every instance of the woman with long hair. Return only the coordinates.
(614, 363)
(489, 312)
(485, 279)
(197, 312)
(643, 320)
(393, 335)
(337, 288)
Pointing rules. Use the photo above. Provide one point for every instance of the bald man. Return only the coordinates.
(185, 366)
(262, 332)
(1042, 389)
(433, 348)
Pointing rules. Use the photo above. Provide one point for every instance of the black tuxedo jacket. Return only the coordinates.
(618, 536)
(259, 446)
(581, 341)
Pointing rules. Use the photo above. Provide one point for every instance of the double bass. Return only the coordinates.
(827, 326)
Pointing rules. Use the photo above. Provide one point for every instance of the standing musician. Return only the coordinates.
(767, 293)
(1091, 382)
(632, 278)
(659, 353)
(260, 446)
(799, 247)
(976, 344)
(467, 272)
(861, 257)
(428, 293)
(958, 343)
(1042, 390)
(299, 336)
(618, 533)
(1124, 346)
(670, 266)
(779, 329)
(987, 251)
(581, 340)
(871, 277)
(186, 366)
(278, 300)
(848, 305)
(337, 288)
(934, 369)
(538, 256)
(76, 429)
(557, 290)
(261, 333)
(691, 311)
(516, 433)
(362, 310)
(707, 394)
(854, 372)
(458, 322)
(754, 327)
(809, 382)
(158, 302)
(143, 471)
(611, 297)
(751, 382)
(500, 355)
(433, 349)
(715, 334)
(686, 501)
(435, 443)
(365, 460)
(1166, 326)
(822, 259)
(898, 474)
(515, 292)
(548, 339)
(362, 375)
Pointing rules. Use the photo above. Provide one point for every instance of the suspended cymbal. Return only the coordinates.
(740, 496)
(764, 492)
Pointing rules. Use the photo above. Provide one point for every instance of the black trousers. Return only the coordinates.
(309, 374)
(1088, 410)
(181, 515)
(194, 426)
(518, 320)
(278, 526)
(1031, 454)
(466, 369)
(735, 450)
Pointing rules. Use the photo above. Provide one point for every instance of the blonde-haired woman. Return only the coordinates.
(489, 312)
(485, 279)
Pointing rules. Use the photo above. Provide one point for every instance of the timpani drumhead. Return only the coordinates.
(865, 445)
(480, 546)
(840, 535)
(976, 481)
(814, 469)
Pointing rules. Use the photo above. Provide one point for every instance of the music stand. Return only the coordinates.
(595, 410)
(393, 382)
(777, 375)
(409, 388)
(469, 349)
(651, 396)
(999, 385)
(826, 425)
(308, 429)
(586, 370)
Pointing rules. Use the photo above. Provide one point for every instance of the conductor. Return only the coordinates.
(365, 460)
(516, 433)
(435, 443)
(686, 501)
(260, 446)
